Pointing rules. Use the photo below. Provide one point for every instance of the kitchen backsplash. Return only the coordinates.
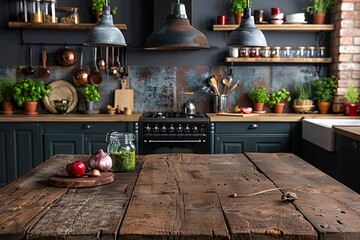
(161, 88)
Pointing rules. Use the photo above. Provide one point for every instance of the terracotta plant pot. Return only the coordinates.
(279, 107)
(8, 108)
(323, 107)
(237, 18)
(350, 109)
(258, 107)
(319, 18)
(30, 108)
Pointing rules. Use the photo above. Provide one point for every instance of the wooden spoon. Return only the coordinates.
(233, 87)
(213, 83)
(44, 72)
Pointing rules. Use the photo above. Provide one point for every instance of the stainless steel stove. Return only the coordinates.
(173, 132)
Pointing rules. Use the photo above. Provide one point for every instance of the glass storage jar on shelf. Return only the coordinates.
(275, 52)
(301, 52)
(320, 52)
(255, 52)
(36, 15)
(286, 52)
(121, 149)
(49, 11)
(244, 52)
(265, 52)
(22, 13)
(310, 52)
(68, 15)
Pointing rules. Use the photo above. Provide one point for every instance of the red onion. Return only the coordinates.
(100, 161)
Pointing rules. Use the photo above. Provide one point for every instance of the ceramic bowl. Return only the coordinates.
(277, 21)
(278, 16)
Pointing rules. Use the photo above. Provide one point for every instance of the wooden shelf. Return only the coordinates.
(63, 26)
(281, 27)
(278, 60)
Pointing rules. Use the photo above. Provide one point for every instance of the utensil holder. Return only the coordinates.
(220, 103)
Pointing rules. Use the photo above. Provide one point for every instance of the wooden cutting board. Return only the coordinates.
(124, 97)
(238, 114)
(104, 178)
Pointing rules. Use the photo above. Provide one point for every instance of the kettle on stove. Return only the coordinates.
(189, 108)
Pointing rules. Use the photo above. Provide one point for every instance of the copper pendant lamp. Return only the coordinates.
(105, 34)
(247, 34)
(177, 34)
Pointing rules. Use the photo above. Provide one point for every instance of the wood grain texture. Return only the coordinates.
(61, 26)
(332, 208)
(31, 207)
(279, 60)
(281, 27)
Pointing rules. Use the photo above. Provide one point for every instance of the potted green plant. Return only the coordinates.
(6, 95)
(97, 7)
(324, 90)
(258, 97)
(352, 101)
(318, 9)
(91, 95)
(28, 92)
(278, 98)
(237, 8)
(303, 103)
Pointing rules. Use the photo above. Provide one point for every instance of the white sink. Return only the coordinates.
(320, 131)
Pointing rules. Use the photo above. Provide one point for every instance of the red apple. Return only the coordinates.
(76, 169)
(246, 110)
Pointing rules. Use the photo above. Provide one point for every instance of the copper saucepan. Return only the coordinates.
(81, 75)
(66, 56)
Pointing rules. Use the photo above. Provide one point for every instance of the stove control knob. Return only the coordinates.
(187, 129)
(147, 129)
(163, 129)
(195, 129)
(171, 129)
(156, 128)
(179, 129)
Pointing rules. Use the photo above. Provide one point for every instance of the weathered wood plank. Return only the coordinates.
(332, 208)
(174, 198)
(88, 213)
(262, 216)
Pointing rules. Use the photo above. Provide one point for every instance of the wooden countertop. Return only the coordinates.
(350, 132)
(70, 118)
(272, 117)
(267, 117)
(187, 196)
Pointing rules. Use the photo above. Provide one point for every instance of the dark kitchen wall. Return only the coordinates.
(162, 75)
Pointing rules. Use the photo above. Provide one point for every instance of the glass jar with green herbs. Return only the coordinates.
(121, 149)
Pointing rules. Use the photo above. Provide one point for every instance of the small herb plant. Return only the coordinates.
(28, 90)
(90, 93)
(352, 95)
(319, 6)
(258, 95)
(98, 6)
(6, 89)
(303, 90)
(279, 96)
(324, 89)
(238, 6)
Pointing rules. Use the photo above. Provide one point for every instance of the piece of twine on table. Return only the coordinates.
(288, 196)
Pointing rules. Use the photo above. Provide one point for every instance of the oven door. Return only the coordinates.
(183, 145)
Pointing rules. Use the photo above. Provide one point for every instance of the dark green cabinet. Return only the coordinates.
(348, 163)
(239, 137)
(21, 149)
(80, 138)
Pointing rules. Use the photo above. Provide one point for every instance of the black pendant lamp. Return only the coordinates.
(247, 34)
(105, 34)
(177, 34)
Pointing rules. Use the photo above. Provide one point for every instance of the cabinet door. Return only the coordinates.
(4, 154)
(63, 144)
(349, 162)
(27, 146)
(95, 142)
(252, 143)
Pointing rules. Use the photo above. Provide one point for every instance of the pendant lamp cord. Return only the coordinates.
(106, 2)
(248, 3)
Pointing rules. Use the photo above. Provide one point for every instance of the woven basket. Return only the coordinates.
(303, 105)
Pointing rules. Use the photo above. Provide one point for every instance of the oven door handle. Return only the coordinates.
(174, 141)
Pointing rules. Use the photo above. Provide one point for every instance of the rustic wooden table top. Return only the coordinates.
(185, 196)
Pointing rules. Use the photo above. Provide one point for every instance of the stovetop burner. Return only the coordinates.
(166, 115)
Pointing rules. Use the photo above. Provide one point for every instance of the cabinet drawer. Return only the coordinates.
(252, 127)
(86, 127)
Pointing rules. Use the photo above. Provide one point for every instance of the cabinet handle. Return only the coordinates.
(253, 126)
(87, 126)
(354, 145)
